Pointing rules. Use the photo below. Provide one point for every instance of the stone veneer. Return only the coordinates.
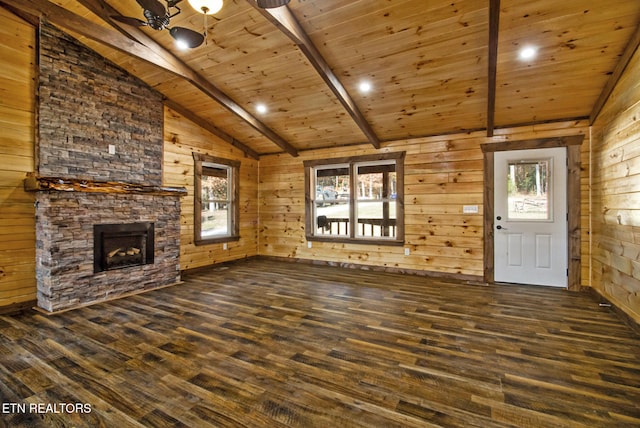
(86, 104)
(64, 246)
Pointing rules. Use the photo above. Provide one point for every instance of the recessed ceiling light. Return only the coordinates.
(364, 87)
(528, 52)
(261, 108)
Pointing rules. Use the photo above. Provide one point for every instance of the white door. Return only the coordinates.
(530, 224)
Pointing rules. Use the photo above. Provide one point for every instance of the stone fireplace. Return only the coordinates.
(65, 245)
(98, 181)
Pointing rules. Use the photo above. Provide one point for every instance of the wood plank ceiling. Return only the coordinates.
(436, 67)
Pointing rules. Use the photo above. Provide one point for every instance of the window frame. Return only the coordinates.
(353, 162)
(200, 161)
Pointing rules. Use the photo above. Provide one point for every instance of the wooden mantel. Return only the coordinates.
(35, 183)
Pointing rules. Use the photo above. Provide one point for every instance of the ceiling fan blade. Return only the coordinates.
(191, 38)
(268, 4)
(129, 20)
(154, 6)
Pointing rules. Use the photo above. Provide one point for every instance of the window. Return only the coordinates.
(216, 214)
(356, 199)
(529, 190)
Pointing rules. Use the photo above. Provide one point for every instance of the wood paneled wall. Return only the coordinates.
(17, 112)
(616, 195)
(181, 138)
(442, 174)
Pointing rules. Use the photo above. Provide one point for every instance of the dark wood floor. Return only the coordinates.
(262, 343)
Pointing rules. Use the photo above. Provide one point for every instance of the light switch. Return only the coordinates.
(112, 149)
(470, 209)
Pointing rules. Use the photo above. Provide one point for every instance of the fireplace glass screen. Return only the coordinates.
(116, 246)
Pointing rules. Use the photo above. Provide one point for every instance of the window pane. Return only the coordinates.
(529, 190)
(331, 201)
(372, 220)
(376, 195)
(215, 188)
(215, 221)
(215, 202)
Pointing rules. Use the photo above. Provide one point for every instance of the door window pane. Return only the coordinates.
(529, 190)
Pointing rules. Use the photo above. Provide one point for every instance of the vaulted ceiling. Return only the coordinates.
(435, 67)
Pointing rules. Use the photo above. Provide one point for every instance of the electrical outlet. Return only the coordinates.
(225, 246)
(309, 244)
(407, 251)
(112, 149)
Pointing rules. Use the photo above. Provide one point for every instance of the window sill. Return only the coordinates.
(216, 240)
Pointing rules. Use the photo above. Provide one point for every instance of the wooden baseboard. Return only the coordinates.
(631, 322)
(16, 308)
(468, 279)
(192, 271)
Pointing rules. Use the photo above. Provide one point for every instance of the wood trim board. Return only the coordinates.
(573, 195)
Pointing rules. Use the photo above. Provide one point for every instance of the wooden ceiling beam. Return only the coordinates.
(155, 55)
(205, 124)
(628, 53)
(65, 19)
(282, 18)
(494, 26)
(27, 17)
(104, 10)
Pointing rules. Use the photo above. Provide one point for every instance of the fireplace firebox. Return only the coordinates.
(117, 246)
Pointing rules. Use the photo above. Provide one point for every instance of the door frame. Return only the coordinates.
(572, 143)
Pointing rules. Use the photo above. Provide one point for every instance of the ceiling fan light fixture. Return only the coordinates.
(207, 7)
(268, 4)
(186, 38)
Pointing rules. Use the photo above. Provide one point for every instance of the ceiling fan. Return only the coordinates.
(158, 17)
(268, 4)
